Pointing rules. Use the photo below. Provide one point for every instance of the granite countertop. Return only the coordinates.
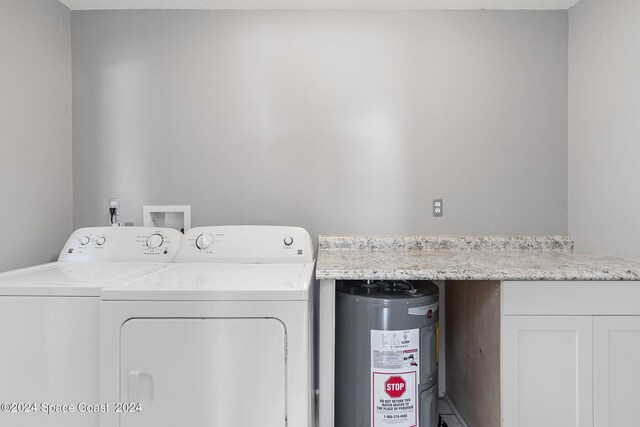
(465, 258)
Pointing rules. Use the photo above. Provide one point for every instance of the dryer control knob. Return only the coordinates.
(101, 240)
(288, 241)
(155, 241)
(85, 241)
(203, 241)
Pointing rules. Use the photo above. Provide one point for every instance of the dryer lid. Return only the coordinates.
(220, 282)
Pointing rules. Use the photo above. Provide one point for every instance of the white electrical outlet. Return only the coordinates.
(438, 208)
(114, 202)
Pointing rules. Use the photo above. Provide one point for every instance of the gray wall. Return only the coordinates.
(35, 131)
(341, 122)
(604, 126)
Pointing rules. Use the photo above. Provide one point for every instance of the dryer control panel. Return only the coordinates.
(246, 244)
(122, 244)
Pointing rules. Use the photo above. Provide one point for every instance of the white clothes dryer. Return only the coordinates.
(223, 338)
(49, 322)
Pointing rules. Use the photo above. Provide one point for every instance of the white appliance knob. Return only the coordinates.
(288, 241)
(203, 241)
(101, 240)
(155, 241)
(85, 241)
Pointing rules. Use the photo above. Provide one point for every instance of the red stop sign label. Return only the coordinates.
(395, 386)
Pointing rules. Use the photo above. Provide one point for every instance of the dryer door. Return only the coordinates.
(203, 372)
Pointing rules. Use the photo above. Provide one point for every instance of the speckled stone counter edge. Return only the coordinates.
(498, 243)
(426, 274)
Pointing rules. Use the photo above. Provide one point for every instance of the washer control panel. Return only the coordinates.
(246, 244)
(133, 244)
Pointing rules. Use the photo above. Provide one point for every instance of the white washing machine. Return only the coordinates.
(49, 321)
(220, 339)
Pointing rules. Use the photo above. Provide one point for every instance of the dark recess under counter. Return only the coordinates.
(472, 318)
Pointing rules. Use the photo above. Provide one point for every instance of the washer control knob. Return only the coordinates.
(288, 241)
(203, 241)
(101, 240)
(85, 241)
(155, 241)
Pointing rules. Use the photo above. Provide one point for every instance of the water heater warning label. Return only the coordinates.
(394, 372)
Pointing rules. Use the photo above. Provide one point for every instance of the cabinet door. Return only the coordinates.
(547, 371)
(616, 362)
(204, 372)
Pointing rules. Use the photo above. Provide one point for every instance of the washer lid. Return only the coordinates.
(72, 278)
(220, 282)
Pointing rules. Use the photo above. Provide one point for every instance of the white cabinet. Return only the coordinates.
(616, 358)
(571, 354)
(547, 371)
